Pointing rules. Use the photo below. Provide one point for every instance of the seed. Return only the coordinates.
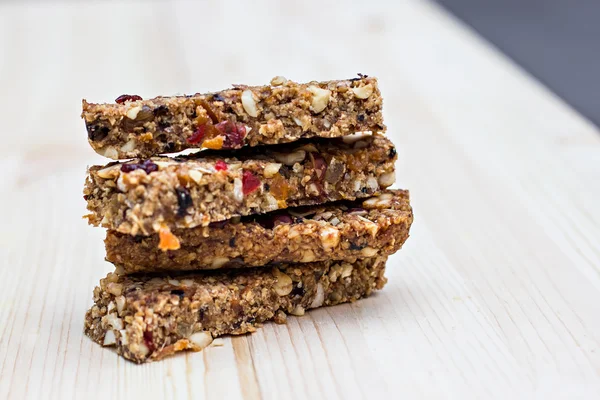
(127, 97)
(184, 201)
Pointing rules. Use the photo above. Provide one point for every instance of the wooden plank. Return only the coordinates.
(495, 295)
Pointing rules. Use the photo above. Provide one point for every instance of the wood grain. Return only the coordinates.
(495, 295)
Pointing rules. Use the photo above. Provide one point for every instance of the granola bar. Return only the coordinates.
(150, 317)
(336, 231)
(282, 112)
(161, 194)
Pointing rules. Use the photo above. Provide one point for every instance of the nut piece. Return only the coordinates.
(368, 252)
(200, 340)
(108, 172)
(382, 201)
(249, 103)
(195, 175)
(278, 81)
(330, 237)
(218, 342)
(140, 348)
(308, 256)
(109, 152)
(346, 270)
(280, 317)
(283, 285)
(238, 192)
(271, 169)
(109, 338)
(290, 158)
(124, 337)
(120, 301)
(133, 112)
(363, 92)
(113, 321)
(370, 226)
(129, 146)
(335, 272)
(218, 262)
(298, 310)
(387, 179)
(114, 288)
(372, 183)
(320, 98)
(355, 137)
(319, 297)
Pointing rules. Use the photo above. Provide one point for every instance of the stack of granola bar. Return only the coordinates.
(286, 208)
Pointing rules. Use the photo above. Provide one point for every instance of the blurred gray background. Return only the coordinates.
(557, 41)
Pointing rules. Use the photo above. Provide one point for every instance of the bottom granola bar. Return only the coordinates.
(149, 317)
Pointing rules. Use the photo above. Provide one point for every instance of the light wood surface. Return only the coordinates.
(495, 295)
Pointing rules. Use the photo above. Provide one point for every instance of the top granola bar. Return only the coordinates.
(281, 112)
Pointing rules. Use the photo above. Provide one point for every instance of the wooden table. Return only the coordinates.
(495, 295)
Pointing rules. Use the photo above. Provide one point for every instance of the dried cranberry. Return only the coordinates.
(198, 135)
(127, 97)
(319, 165)
(234, 134)
(184, 201)
(148, 341)
(128, 167)
(221, 165)
(282, 219)
(147, 166)
(97, 132)
(249, 182)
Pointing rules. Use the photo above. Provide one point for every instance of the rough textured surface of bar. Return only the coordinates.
(336, 231)
(150, 317)
(281, 112)
(162, 194)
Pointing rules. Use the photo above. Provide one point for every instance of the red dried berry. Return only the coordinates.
(127, 97)
(221, 165)
(148, 341)
(234, 134)
(249, 182)
(128, 167)
(198, 135)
